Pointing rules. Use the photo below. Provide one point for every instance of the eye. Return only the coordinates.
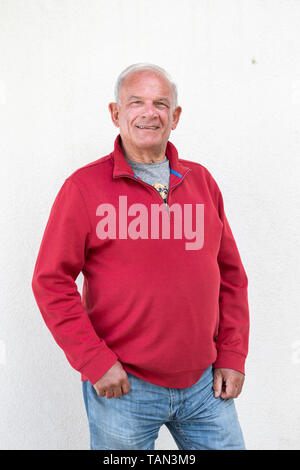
(160, 103)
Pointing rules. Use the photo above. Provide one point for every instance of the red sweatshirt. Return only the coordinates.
(164, 311)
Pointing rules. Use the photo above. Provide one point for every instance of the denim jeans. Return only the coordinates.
(194, 417)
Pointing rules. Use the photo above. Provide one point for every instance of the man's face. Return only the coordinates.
(146, 114)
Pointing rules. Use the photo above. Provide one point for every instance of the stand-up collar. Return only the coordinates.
(122, 167)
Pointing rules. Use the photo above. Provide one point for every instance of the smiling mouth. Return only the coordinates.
(153, 128)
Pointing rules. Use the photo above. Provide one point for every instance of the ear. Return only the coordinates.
(114, 112)
(176, 116)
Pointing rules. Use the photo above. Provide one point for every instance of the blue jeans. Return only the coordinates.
(194, 417)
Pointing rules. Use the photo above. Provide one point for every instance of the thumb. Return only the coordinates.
(218, 382)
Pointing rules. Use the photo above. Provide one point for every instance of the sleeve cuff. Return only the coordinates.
(230, 360)
(101, 363)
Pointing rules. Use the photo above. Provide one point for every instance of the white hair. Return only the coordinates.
(144, 66)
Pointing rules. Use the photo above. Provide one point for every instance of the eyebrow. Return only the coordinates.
(157, 99)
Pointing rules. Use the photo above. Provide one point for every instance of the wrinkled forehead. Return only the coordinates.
(146, 82)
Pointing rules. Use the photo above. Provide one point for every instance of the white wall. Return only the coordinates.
(237, 66)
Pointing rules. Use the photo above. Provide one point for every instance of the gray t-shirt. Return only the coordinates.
(156, 174)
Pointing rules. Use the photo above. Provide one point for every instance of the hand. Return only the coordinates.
(228, 383)
(114, 383)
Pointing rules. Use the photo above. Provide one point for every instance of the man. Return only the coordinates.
(160, 334)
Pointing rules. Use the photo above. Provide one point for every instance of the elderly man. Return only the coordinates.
(160, 333)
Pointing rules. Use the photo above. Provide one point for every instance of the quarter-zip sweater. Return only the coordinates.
(164, 311)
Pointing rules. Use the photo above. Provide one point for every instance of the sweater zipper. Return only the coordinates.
(171, 187)
(174, 185)
(150, 186)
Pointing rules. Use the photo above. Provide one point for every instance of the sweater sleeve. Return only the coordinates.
(61, 258)
(233, 335)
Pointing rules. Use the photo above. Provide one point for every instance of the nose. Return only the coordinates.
(149, 110)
